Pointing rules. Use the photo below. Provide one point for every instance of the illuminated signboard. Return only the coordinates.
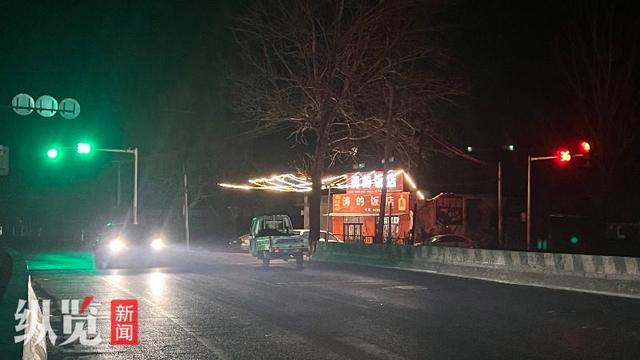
(397, 203)
(360, 182)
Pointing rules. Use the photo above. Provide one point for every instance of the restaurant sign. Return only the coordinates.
(361, 182)
(369, 203)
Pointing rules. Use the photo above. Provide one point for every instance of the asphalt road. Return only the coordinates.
(221, 305)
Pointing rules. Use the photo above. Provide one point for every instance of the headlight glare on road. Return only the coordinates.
(157, 244)
(116, 245)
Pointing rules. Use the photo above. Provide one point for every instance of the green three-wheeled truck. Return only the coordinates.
(272, 237)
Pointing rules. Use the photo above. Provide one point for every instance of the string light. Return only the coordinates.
(299, 183)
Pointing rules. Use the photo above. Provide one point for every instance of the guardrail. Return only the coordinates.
(430, 257)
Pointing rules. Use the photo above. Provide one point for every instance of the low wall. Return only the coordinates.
(430, 257)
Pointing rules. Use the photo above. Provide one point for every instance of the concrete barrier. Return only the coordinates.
(15, 289)
(36, 347)
(431, 257)
(19, 288)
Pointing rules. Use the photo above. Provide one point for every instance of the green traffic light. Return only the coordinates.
(52, 153)
(84, 148)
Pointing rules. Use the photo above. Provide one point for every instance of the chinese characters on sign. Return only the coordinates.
(124, 322)
(397, 203)
(372, 181)
(79, 322)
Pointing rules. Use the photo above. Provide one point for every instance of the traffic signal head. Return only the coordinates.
(53, 153)
(563, 156)
(84, 148)
(585, 147)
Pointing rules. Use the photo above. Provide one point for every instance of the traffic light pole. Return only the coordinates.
(134, 152)
(531, 159)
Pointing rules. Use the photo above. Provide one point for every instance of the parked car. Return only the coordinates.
(128, 245)
(324, 236)
(241, 242)
(450, 240)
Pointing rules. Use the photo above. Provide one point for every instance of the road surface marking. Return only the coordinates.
(406, 287)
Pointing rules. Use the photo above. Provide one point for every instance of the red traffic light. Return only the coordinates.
(563, 156)
(585, 147)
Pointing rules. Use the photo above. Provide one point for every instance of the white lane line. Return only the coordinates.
(204, 341)
(406, 287)
(371, 349)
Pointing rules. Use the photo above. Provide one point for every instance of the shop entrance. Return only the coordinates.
(352, 229)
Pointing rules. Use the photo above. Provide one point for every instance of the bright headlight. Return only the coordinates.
(157, 244)
(116, 245)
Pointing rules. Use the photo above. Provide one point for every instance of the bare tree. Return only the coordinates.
(323, 70)
(602, 73)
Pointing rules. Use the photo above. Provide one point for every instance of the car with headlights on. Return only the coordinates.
(129, 245)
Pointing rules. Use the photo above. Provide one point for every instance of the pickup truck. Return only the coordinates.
(272, 237)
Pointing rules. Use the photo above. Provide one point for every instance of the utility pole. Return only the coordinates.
(329, 206)
(119, 187)
(417, 179)
(383, 196)
(186, 210)
(389, 233)
(135, 186)
(528, 202)
(500, 210)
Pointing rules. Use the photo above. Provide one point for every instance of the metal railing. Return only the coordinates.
(370, 239)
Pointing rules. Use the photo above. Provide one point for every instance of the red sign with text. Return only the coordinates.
(124, 322)
(369, 203)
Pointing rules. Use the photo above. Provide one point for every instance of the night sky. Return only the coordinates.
(156, 74)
